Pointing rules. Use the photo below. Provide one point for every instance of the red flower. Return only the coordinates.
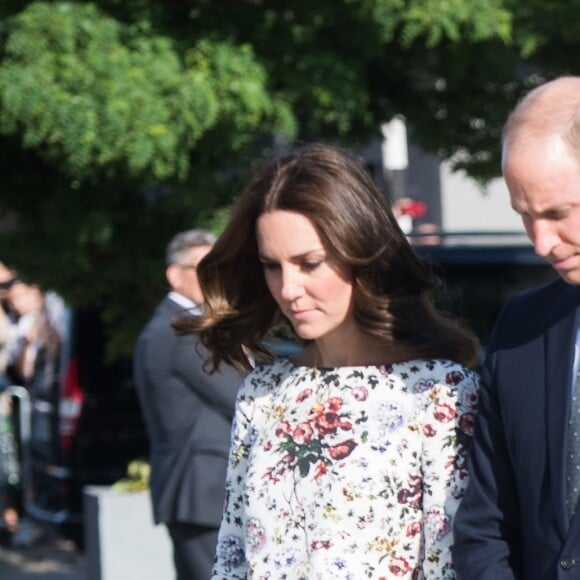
(327, 423)
(413, 529)
(320, 469)
(454, 377)
(409, 497)
(283, 429)
(399, 566)
(288, 458)
(428, 431)
(466, 422)
(342, 450)
(304, 395)
(416, 482)
(302, 434)
(413, 208)
(334, 404)
(270, 474)
(360, 393)
(444, 413)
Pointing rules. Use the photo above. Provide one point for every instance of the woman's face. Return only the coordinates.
(312, 288)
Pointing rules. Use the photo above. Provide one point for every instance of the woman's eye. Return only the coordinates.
(311, 265)
(269, 266)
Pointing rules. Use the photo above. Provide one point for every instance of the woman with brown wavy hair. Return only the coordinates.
(348, 458)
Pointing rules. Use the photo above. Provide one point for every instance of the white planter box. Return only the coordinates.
(121, 540)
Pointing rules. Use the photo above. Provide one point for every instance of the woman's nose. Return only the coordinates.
(291, 286)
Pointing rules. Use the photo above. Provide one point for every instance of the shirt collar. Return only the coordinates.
(184, 302)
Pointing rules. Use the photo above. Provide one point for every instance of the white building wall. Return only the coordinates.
(465, 207)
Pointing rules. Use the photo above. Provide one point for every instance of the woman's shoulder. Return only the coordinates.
(271, 371)
(442, 371)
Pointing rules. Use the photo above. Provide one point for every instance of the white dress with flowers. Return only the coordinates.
(347, 472)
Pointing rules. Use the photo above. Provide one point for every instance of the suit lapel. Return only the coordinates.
(560, 341)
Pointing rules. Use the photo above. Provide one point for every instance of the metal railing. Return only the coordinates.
(19, 417)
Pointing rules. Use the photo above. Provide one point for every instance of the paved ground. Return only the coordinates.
(48, 559)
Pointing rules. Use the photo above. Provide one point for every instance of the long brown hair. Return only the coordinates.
(392, 285)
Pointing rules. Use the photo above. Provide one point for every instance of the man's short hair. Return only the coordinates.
(552, 108)
(184, 241)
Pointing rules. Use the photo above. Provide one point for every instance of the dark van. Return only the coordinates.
(481, 271)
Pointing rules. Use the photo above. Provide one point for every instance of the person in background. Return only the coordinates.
(520, 517)
(27, 301)
(7, 323)
(348, 459)
(10, 472)
(188, 415)
(32, 341)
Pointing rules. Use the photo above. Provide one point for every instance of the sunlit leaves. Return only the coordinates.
(442, 20)
(435, 21)
(93, 94)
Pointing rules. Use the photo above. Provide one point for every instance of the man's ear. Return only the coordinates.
(173, 275)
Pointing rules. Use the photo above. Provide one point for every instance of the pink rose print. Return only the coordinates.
(437, 524)
(454, 377)
(444, 413)
(469, 396)
(360, 393)
(413, 494)
(303, 433)
(310, 443)
(320, 469)
(466, 423)
(328, 419)
(423, 386)
(399, 566)
(342, 450)
(334, 404)
(413, 529)
(327, 423)
(288, 458)
(282, 429)
(255, 535)
(428, 431)
(304, 395)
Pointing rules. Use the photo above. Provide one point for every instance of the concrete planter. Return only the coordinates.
(121, 541)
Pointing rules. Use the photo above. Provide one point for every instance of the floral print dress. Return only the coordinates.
(347, 472)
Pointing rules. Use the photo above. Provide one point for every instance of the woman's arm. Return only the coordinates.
(447, 432)
(230, 562)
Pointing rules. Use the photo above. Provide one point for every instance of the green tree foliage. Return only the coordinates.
(125, 121)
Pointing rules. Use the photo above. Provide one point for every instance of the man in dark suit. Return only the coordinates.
(519, 517)
(188, 415)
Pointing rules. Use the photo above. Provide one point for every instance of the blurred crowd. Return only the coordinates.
(27, 333)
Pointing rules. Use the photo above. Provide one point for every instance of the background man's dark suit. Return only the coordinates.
(188, 415)
(513, 522)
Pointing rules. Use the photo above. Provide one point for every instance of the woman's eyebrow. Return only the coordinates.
(301, 256)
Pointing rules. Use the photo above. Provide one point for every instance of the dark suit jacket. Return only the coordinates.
(512, 522)
(188, 414)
